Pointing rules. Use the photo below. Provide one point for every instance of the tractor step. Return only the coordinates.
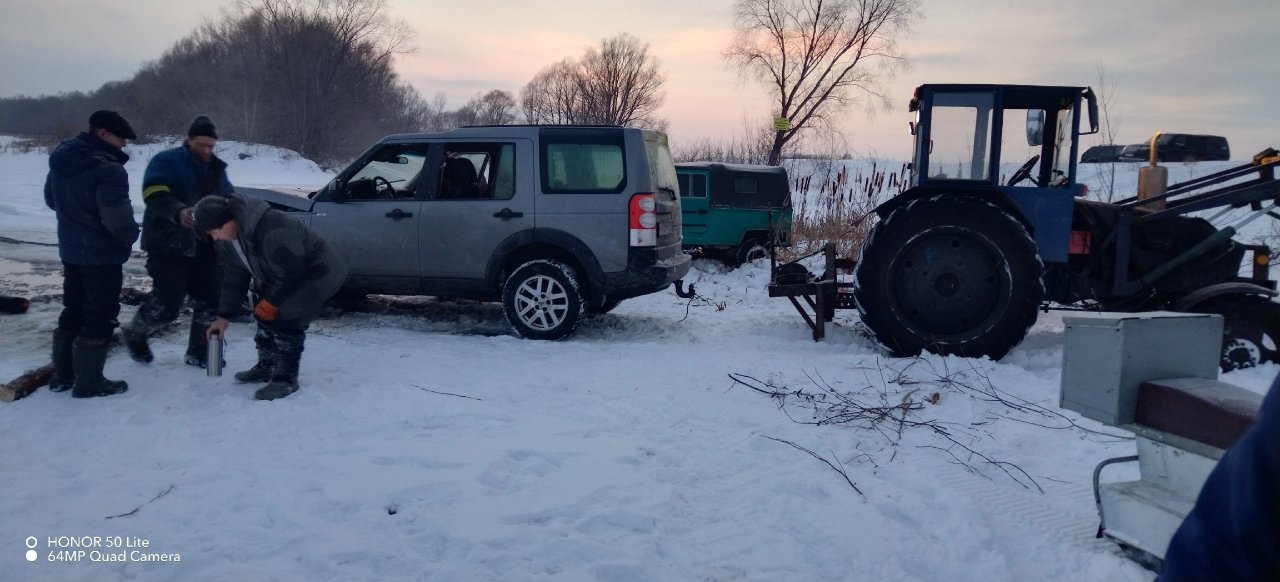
(1142, 515)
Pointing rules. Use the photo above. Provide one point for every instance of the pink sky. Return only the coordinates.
(1191, 66)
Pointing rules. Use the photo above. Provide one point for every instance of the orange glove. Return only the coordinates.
(265, 311)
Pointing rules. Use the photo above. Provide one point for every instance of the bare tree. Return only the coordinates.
(332, 54)
(434, 115)
(497, 107)
(619, 84)
(1108, 96)
(552, 97)
(315, 76)
(819, 56)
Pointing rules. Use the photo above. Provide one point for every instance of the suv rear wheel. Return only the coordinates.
(543, 300)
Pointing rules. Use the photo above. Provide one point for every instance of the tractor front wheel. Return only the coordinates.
(951, 275)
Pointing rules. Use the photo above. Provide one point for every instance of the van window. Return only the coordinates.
(744, 186)
(693, 185)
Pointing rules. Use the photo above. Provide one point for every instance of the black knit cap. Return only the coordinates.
(202, 125)
(112, 122)
(211, 212)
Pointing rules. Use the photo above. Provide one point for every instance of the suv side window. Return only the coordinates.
(391, 173)
(478, 171)
(595, 164)
(692, 185)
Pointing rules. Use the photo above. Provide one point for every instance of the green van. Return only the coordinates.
(732, 210)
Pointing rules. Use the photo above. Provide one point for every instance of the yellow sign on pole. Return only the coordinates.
(781, 124)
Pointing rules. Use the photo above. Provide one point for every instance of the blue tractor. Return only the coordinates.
(963, 260)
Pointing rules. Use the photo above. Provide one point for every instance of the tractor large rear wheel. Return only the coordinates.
(951, 275)
(1250, 330)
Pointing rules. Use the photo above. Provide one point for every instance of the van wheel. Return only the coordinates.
(543, 300)
(751, 250)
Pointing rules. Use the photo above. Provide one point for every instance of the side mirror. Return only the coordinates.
(337, 191)
(1035, 127)
(1091, 102)
(402, 160)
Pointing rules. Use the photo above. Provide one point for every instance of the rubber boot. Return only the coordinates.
(261, 371)
(198, 346)
(64, 372)
(284, 380)
(89, 355)
(135, 339)
(284, 366)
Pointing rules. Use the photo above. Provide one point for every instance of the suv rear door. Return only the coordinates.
(481, 192)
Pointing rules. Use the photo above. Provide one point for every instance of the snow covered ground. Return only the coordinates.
(432, 444)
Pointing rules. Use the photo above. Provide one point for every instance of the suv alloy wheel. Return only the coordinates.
(543, 300)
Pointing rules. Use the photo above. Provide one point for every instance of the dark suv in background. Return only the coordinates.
(1180, 147)
(1100, 154)
(552, 221)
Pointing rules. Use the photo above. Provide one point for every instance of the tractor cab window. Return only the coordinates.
(960, 136)
(1046, 156)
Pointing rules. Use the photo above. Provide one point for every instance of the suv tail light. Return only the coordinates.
(644, 221)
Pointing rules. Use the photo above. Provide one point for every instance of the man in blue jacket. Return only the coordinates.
(180, 262)
(89, 190)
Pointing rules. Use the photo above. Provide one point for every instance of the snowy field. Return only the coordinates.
(433, 444)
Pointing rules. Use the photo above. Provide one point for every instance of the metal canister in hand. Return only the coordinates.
(213, 355)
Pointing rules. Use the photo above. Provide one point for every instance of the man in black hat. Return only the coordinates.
(292, 271)
(180, 262)
(89, 190)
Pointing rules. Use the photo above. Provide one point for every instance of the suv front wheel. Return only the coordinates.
(543, 300)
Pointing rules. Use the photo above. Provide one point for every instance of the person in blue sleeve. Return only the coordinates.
(1233, 532)
(180, 262)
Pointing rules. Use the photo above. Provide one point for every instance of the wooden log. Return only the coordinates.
(14, 305)
(24, 385)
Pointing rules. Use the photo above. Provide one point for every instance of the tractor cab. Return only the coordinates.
(967, 138)
(963, 133)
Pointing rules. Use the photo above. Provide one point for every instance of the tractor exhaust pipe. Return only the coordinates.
(1153, 179)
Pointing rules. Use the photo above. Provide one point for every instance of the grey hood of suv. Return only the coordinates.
(294, 198)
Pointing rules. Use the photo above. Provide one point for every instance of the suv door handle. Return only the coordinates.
(507, 214)
(397, 214)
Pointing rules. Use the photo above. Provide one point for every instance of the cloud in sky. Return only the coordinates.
(1179, 65)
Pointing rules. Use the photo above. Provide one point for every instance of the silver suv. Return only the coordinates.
(553, 221)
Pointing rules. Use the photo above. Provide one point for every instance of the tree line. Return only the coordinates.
(317, 77)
